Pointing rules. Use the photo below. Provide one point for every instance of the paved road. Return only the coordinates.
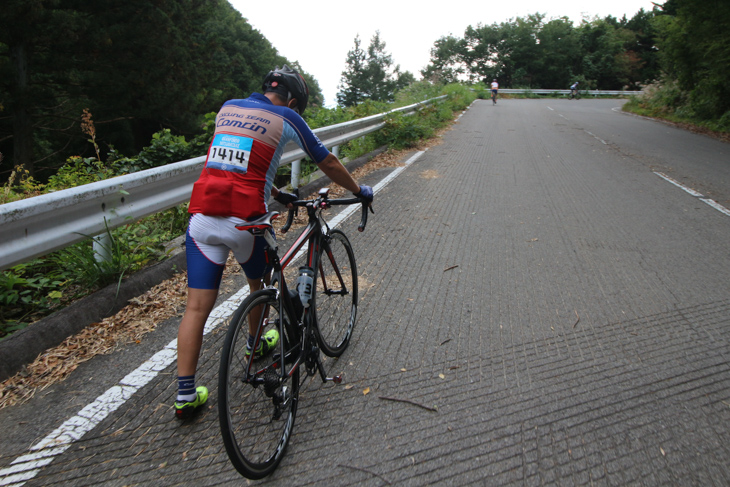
(565, 309)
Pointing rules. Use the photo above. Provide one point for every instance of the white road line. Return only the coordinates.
(678, 184)
(596, 137)
(26, 467)
(691, 191)
(716, 205)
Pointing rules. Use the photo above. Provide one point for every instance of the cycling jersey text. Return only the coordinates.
(253, 126)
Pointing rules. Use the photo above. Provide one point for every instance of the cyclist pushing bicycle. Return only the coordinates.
(232, 190)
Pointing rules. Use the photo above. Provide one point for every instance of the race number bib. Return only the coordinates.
(230, 153)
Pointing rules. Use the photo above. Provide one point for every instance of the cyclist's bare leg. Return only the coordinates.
(190, 334)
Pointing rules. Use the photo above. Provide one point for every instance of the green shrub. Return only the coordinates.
(665, 99)
(28, 291)
(358, 147)
(403, 131)
(78, 171)
(20, 185)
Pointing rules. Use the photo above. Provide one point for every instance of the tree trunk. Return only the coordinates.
(22, 125)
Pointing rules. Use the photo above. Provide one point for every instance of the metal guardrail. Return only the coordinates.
(567, 92)
(37, 226)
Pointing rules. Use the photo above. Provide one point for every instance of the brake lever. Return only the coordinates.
(292, 213)
(290, 219)
(364, 217)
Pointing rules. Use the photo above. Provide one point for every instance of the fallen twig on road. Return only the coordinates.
(408, 401)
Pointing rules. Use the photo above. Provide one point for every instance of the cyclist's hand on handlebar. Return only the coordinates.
(285, 198)
(366, 193)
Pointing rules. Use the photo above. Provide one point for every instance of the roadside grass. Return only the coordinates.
(35, 289)
(665, 100)
(713, 128)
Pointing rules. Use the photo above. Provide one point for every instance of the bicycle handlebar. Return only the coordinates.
(325, 203)
(352, 201)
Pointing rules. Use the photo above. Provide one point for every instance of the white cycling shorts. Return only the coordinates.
(209, 241)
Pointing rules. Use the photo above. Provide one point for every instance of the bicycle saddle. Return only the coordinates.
(260, 224)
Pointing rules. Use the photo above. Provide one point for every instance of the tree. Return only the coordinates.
(694, 46)
(447, 64)
(138, 66)
(643, 48)
(506, 51)
(605, 63)
(31, 99)
(486, 51)
(559, 58)
(354, 78)
(381, 76)
(370, 75)
(530, 52)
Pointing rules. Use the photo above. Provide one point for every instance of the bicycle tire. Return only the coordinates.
(255, 431)
(336, 294)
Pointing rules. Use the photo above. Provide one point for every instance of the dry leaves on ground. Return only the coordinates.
(129, 325)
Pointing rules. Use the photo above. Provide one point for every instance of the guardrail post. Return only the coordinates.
(336, 151)
(296, 170)
(103, 247)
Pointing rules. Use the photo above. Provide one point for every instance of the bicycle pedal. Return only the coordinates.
(337, 379)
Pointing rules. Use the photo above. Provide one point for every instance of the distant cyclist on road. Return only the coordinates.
(573, 90)
(233, 188)
(495, 88)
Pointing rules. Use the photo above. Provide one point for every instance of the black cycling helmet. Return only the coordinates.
(289, 84)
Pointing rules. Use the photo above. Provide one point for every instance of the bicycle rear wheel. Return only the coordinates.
(257, 407)
(336, 296)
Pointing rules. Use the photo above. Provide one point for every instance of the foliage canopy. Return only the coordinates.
(137, 66)
(532, 52)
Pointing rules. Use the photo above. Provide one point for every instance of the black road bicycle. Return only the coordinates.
(258, 398)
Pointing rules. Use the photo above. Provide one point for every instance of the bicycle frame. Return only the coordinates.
(303, 351)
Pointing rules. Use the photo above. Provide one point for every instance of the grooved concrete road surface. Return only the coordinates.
(538, 278)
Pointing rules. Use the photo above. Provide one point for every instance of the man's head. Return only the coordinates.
(289, 86)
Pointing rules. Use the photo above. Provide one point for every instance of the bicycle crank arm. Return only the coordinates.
(337, 379)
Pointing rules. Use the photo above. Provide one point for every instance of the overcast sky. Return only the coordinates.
(319, 33)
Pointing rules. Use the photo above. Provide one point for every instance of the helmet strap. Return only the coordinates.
(289, 98)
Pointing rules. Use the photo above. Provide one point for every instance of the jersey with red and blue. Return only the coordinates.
(250, 135)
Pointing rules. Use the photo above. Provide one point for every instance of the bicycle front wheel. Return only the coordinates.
(258, 403)
(336, 294)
